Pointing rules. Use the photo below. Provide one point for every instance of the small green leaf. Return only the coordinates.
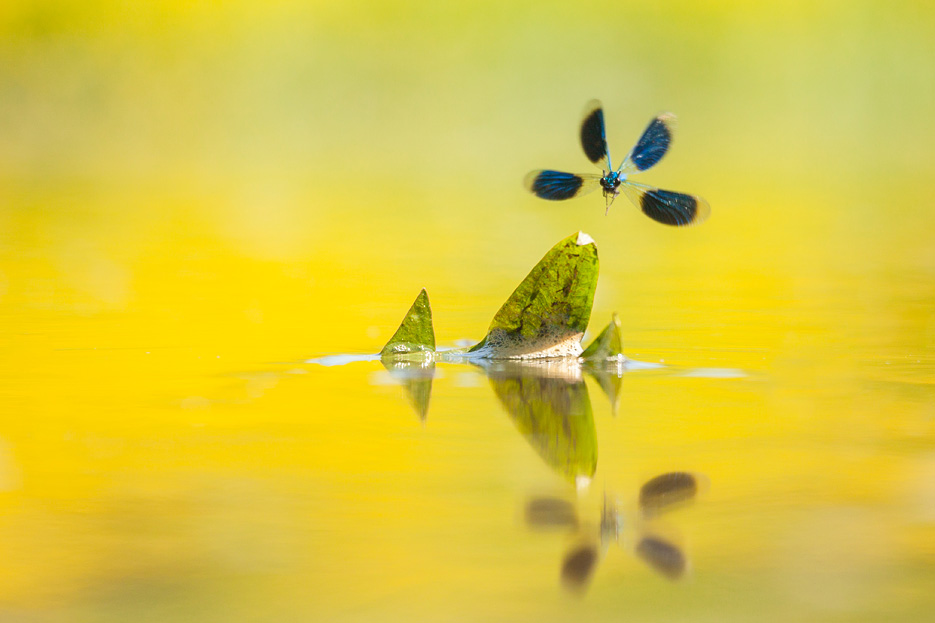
(549, 404)
(547, 314)
(415, 334)
(607, 345)
(604, 360)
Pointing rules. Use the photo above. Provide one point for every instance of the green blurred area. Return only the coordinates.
(419, 98)
(264, 130)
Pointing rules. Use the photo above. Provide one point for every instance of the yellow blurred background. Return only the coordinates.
(194, 195)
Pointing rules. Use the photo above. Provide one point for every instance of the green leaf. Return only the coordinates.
(415, 334)
(547, 314)
(549, 405)
(607, 345)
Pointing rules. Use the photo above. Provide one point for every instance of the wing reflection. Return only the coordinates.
(551, 512)
(665, 558)
(549, 404)
(668, 491)
(578, 567)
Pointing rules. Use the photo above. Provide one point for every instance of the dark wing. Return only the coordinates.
(593, 136)
(652, 146)
(556, 185)
(667, 206)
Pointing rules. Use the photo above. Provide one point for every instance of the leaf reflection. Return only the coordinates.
(547, 399)
(549, 404)
(609, 375)
(416, 378)
(578, 567)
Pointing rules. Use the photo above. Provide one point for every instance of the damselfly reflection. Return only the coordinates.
(654, 543)
(665, 206)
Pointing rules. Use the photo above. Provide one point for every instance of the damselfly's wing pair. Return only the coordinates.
(665, 206)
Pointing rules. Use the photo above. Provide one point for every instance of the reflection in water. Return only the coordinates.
(664, 557)
(527, 388)
(578, 567)
(667, 491)
(546, 398)
(551, 512)
(416, 377)
(549, 404)
(609, 375)
(663, 493)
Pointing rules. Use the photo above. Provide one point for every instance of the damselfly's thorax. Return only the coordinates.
(611, 182)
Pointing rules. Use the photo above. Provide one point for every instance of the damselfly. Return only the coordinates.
(665, 206)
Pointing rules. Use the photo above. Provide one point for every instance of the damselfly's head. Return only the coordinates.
(610, 183)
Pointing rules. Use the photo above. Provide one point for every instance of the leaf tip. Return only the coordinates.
(608, 345)
(415, 333)
(548, 312)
